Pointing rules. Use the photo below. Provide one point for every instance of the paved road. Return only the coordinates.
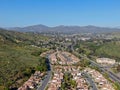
(92, 83)
(111, 75)
(45, 80)
(65, 56)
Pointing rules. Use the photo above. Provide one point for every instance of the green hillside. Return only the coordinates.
(18, 59)
(24, 38)
(100, 48)
(110, 49)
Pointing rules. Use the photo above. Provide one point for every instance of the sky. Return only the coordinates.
(20, 13)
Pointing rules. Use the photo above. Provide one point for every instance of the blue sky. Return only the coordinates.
(59, 12)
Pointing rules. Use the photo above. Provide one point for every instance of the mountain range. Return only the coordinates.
(65, 29)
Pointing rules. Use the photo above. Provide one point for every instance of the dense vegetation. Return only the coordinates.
(110, 49)
(42, 65)
(18, 59)
(117, 86)
(100, 48)
(22, 38)
(68, 83)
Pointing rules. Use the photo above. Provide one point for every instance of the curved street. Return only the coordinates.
(46, 78)
(91, 82)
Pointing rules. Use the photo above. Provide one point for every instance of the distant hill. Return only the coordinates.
(21, 37)
(34, 28)
(65, 29)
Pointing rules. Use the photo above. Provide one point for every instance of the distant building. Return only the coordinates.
(67, 39)
(105, 61)
(84, 38)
